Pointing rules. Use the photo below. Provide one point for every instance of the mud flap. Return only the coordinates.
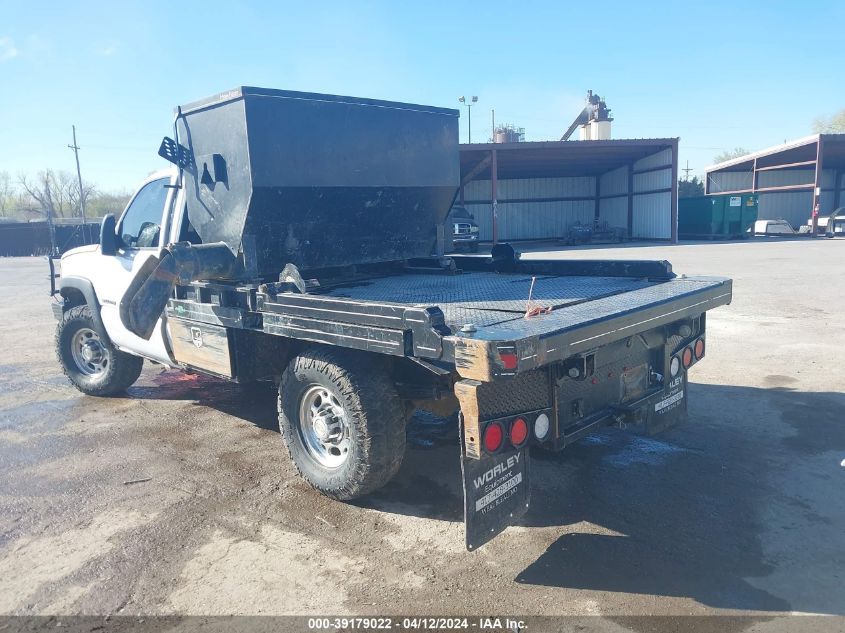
(496, 493)
(670, 408)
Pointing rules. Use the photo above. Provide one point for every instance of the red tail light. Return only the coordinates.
(686, 357)
(519, 432)
(508, 360)
(494, 435)
(699, 349)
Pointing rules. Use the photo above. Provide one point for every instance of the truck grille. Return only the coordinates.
(463, 228)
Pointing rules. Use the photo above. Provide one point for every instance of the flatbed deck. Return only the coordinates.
(468, 318)
(495, 303)
(484, 299)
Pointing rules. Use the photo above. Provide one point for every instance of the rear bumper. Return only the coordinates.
(638, 382)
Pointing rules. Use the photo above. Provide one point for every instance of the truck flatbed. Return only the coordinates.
(495, 303)
(487, 309)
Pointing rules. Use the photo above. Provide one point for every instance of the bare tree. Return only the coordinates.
(7, 195)
(55, 193)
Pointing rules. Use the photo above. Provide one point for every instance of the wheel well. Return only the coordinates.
(73, 297)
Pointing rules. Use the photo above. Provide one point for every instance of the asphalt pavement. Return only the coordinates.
(178, 497)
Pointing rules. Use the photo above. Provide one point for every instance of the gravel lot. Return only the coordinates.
(740, 510)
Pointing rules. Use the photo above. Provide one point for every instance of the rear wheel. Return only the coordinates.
(92, 364)
(342, 421)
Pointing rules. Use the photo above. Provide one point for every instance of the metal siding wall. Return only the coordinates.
(826, 203)
(653, 211)
(653, 216)
(733, 181)
(536, 188)
(614, 182)
(828, 177)
(729, 181)
(614, 211)
(484, 219)
(663, 157)
(793, 206)
(541, 218)
(538, 218)
(783, 177)
(652, 180)
(477, 190)
(841, 185)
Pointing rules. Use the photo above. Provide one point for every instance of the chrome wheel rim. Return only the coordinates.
(88, 352)
(324, 427)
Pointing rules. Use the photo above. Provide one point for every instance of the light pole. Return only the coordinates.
(469, 105)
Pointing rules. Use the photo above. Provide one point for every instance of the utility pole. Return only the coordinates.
(75, 149)
(686, 171)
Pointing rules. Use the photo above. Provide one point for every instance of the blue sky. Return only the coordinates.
(717, 74)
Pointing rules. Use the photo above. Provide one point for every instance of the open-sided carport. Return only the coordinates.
(791, 179)
(537, 190)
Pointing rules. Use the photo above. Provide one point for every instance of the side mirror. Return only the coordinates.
(108, 235)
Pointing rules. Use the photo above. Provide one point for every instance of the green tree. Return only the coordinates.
(736, 152)
(834, 124)
(690, 188)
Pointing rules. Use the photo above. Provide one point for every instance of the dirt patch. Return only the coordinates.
(277, 572)
(33, 563)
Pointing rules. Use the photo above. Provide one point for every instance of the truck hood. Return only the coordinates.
(90, 248)
(81, 261)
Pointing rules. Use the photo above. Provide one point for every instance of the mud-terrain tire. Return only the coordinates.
(342, 421)
(92, 365)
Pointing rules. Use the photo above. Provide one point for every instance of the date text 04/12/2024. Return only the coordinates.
(488, 623)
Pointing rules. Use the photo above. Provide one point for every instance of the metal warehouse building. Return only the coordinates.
(791, 179)
(537, 190)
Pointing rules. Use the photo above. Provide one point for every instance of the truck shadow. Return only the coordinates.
(741, 507)
(744, 497)
(252, 402)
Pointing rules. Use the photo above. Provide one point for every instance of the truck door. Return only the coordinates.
(140, 231)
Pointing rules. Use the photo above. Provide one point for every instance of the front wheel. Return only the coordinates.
(342, 421)
(92, 364)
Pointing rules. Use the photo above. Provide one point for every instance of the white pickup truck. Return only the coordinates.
(298, 238)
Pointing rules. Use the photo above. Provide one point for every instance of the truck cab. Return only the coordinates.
(101, 274)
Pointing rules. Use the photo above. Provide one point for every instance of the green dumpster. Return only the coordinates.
(720, 217)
